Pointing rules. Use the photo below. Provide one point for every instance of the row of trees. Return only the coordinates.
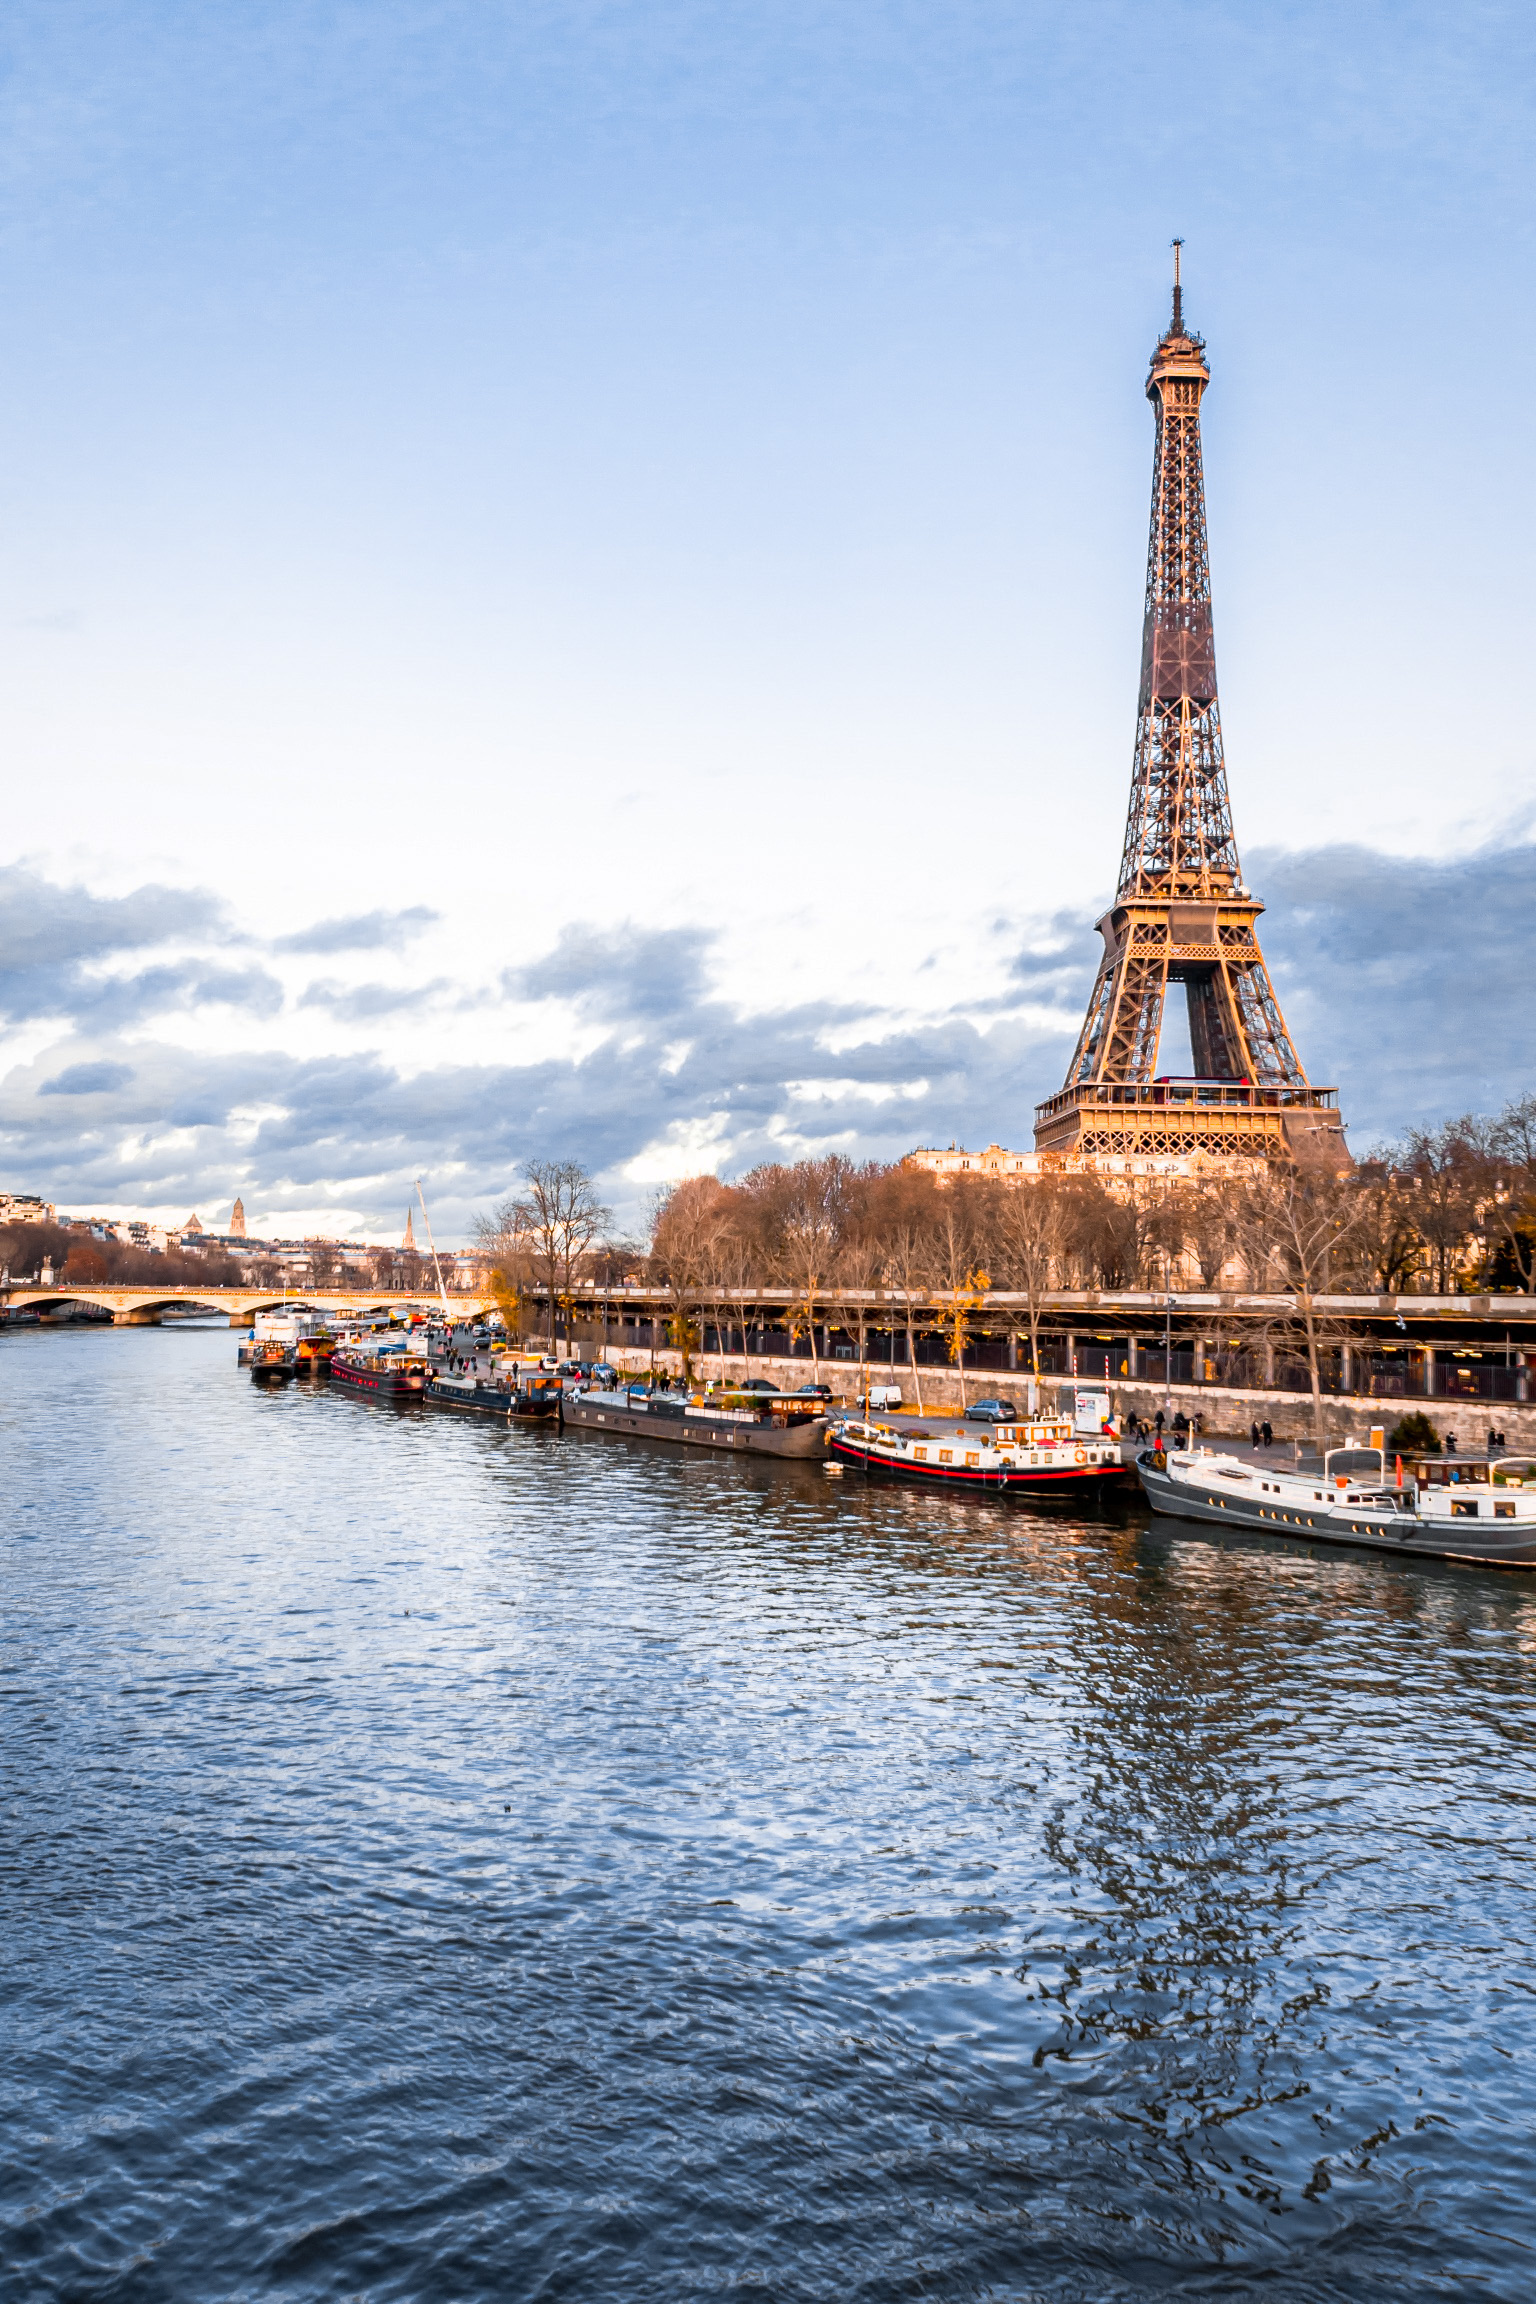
(82, 1260)
(27, 1250)
(1454, 1208)
(830, 1235)
(1447, 1209)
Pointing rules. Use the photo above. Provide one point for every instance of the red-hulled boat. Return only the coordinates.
(1028, 1456)
(380, 1375)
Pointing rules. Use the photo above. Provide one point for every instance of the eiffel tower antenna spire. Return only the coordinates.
(1181, 913)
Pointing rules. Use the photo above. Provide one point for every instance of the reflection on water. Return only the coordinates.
(471, 1863)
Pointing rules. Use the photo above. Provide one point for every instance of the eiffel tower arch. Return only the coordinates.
(1182, 914)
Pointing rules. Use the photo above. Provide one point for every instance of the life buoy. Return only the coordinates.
(1082, 1456)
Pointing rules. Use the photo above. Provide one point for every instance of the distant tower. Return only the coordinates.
(237, 1221)
(1182, 914)
(410, 1232)
(191, 1225)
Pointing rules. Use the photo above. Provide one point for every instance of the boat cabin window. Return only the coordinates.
(1463, 1507)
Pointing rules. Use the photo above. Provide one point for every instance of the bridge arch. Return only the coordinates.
(46, 1300)
(130, 1307)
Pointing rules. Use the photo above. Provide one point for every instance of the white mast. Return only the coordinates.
(432, 1244)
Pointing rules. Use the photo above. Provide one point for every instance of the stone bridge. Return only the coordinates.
(147, 1307)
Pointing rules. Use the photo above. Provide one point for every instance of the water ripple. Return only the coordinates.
(468, 1864)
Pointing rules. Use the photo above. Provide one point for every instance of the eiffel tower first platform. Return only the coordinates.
(1182, 914)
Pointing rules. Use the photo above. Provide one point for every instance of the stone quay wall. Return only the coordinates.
(1224, 1411)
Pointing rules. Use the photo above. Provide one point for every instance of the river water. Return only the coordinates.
(460, 1863)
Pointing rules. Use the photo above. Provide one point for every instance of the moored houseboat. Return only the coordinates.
(1030, 1456)
(523, 1395)
(379, 1371)
(1441, 1508)
(747, 1422)
(303, 1334)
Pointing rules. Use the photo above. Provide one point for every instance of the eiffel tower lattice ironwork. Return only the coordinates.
(1182, 914)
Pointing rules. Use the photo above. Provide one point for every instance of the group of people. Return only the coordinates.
(1262, 1435)
(1183, 1427)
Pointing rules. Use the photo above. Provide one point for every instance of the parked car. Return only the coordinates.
(817, 1391)
(991, 1412)
(885, 1396)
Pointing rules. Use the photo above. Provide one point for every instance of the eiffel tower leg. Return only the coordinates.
(1273, 1058)
(1216, 1037)
(1135, 1021)
(1084, 1056)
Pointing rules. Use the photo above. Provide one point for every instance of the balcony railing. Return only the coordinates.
(1184, 1095)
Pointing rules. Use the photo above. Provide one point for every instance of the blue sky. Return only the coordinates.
(589, 560)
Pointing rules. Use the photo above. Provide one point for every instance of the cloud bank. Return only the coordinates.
(1406, 983)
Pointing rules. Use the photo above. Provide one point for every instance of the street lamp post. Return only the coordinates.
(1168, 1360)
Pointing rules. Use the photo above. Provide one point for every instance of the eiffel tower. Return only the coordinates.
(1182, 914)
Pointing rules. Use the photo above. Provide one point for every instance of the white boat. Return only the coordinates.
(1435, 1507)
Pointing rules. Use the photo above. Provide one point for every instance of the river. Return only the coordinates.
(459, 1863)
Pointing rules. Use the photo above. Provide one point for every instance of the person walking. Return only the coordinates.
(1158, 1421)
(1253, 1433)
(1269, 1437)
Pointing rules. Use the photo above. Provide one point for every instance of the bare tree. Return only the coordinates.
(731, 1276)
(610, 1261)
(958, 1245)
(1509, 1146)
(1033, 1227)
(1209, 1225)
(907, 1262)
(858, 1276)
(1297, 1224)
(504, 1242)
(1445, 1172)
(812, 1228)
(1112, 1233)
(323, 1259)
(1386, 1238)
(686, 1225)
(561, 1216)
